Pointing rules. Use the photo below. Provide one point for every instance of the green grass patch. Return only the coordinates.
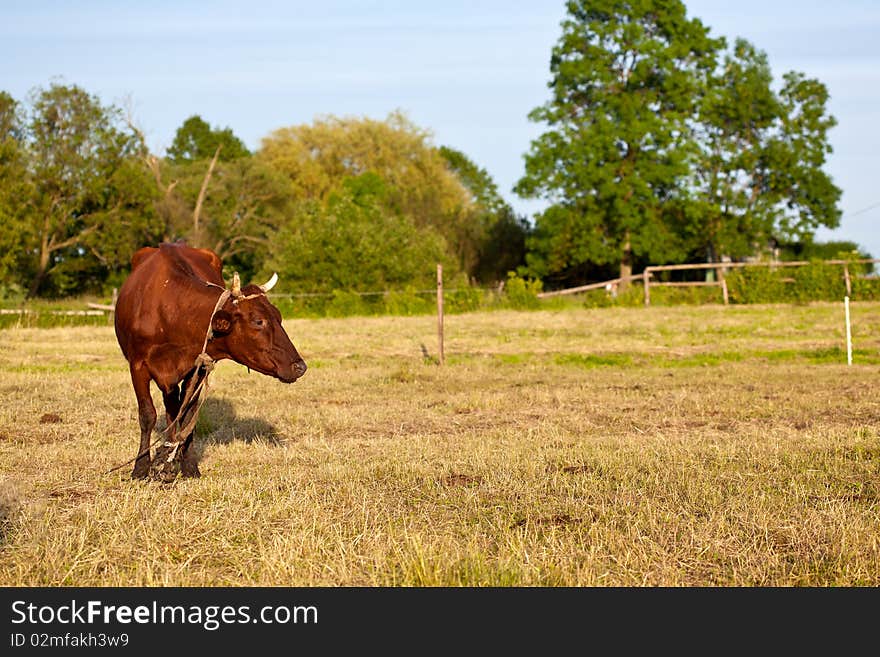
(60, 368)
(46, 319)
(589, 361)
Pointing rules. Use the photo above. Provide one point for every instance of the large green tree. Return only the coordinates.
(317, 159)
(758, 175)
(15, 189)
(212, 193)
(624, 79)
(352, 241)
(197, 140)
(87, 202)
(240, 206)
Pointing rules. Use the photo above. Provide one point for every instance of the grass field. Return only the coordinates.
(682, 446)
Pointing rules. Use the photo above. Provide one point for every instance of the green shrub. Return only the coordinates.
(817, 282)
(596, 299)
(866, 289)
(464, 300)
(408, 302)
(814, 282)
(522, 293)
(11, 293)
(296, 307)
(601, 298)
(346, 304)
(757, 285)
(684, 296)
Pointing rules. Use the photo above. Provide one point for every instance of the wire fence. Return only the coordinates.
(830, 280)
(379, 293)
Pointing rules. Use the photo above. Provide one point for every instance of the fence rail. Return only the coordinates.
(586, 288)
(720, 267)
(379, 293)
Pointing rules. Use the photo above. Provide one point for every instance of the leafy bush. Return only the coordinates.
(866, 289)
(814, 282)
(352, 241)
(407, 302)
(346, 304)
(683, 296)
(464, 300)
(522, 293)
(11, 292)
(756, 285)
(633, 295)
(311, 306)
(817, 282)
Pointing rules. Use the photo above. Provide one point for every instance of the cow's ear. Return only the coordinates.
(222, 323)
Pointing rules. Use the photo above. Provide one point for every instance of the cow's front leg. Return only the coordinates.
(140, 378)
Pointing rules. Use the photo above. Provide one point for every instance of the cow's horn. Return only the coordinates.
(236, 285)
(268, 285)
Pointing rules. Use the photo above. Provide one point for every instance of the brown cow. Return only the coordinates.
(163, 315)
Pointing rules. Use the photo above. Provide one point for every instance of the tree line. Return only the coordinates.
(343, 203)
(660, 144)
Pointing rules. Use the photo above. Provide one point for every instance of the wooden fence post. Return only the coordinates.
(723, 281)
(848, 331)
(440, 312)
(847, 280)
(646, 283)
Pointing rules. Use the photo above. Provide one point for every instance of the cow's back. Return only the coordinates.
(160, 302)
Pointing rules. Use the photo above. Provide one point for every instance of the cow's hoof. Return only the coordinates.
(190, 471)
(141, 470)
(164, 470)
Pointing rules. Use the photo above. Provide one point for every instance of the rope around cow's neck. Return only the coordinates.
(204, 365)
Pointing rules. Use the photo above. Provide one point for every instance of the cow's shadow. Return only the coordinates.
(219, 425)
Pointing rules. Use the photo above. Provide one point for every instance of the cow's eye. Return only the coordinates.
(259, 323)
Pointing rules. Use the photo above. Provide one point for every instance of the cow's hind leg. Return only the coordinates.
(188, 459)
(163, 469)
(172, 406)
(140, 378)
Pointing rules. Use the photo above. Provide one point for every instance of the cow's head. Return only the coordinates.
(251, 333)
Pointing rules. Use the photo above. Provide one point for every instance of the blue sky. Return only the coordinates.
(469, 72)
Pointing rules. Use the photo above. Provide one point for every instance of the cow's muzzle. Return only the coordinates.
(295, 371)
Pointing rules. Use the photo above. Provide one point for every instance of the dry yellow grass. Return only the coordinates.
(659, 446)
